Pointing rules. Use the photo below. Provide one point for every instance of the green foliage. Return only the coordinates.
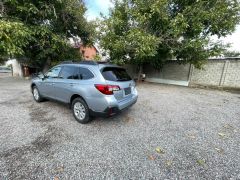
(97, 57)
(153, 31)
(231, 53)
(13, 38)
(39, 30)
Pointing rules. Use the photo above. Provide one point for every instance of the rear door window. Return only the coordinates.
(69, 72)
(85, 73)
(115, 74)
(74, 72)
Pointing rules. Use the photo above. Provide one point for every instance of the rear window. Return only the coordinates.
(115, 74)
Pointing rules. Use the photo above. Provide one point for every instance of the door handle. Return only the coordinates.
(71, 84)
(53, 83)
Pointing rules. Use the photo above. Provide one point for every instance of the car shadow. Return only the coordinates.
(121, 117)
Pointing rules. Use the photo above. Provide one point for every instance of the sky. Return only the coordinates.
(95, 7)
(234, 39)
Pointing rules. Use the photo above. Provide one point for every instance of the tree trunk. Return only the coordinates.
(47, 65)
(140, 73)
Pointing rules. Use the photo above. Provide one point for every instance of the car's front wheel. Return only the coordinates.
(36, 95)
(80, 111)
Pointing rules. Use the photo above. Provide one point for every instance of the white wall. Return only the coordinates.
(16, 67)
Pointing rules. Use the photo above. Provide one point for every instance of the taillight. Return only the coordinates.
(107, 89)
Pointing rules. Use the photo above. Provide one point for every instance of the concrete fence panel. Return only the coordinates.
(216, 72)
(232, 74)
(211, 74)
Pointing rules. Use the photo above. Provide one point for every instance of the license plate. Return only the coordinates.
(127, 91)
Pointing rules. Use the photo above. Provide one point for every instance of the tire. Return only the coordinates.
(36, 95)
(80, 111)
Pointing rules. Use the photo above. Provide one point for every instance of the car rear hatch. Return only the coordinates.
(119, 77)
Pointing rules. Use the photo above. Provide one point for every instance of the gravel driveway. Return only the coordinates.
(171, 133)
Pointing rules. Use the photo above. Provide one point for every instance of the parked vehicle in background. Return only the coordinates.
(90, 88)
(4, 69)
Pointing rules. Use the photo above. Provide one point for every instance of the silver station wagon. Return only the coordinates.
(90, 88)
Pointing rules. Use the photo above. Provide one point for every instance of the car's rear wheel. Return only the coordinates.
(80, 111)
(36, 95)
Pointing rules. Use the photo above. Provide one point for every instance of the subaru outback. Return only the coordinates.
(90, 88)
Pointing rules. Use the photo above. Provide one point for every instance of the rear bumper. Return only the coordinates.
(111, 111)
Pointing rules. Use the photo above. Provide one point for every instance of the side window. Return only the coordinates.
(53, 73)
(69, 72)
(85, 74)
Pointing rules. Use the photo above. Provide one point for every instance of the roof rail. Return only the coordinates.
(67, 62)
(87, 62)
(103, 62)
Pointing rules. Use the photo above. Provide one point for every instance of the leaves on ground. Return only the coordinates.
(159, 150)
(201, 162)
(55, 178)
(128, 119)
(151, 157)
(191, 136)
(219, 150)
(223, 135)
(59, 169)
(168, 163)
(228, 126)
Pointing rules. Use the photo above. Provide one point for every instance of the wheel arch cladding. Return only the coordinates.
(74, 96)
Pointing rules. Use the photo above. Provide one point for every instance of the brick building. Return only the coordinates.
(89, 52)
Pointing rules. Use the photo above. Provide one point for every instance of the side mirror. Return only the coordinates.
(41, 75)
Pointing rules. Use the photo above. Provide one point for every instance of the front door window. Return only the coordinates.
(53, 73)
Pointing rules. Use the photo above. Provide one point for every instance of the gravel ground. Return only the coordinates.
(171, 133)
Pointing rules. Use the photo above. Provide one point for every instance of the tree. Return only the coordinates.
(231, 53)
(14, 36)
(153, 31)
(40, 30)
